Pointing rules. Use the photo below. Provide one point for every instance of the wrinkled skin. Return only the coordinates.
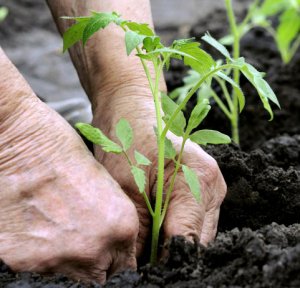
(185, 216)
(118, 88)
(60, 211)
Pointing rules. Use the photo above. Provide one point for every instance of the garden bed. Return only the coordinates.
(263, 181)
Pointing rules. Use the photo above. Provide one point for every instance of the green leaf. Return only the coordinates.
(3, 13)
(150, 43)
(204, 137)
(192, 180)
(217, 45)
(198, 114)
(98, 21)
(263, 88)
(139, 178)
(287, 30)
(141, 159)
(227, 40)
(132, 40)
(203, 63)
(169, 107)
(272, 7)
(170, 152)
(74, 33)
(96, 136)
(189, 81)
(140, 28)
(124, 133)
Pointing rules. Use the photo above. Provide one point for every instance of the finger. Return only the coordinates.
(210, 224)
(123, 261)
(144, 219)
(185, 215)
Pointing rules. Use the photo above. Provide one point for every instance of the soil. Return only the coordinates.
(258, 244)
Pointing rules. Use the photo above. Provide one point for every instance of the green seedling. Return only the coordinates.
(3, 13)
(233, 102)
(150, 50)
(286, 33)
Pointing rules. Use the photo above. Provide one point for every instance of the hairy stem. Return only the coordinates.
(161, 167)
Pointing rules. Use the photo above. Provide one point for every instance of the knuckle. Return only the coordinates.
(127, 225)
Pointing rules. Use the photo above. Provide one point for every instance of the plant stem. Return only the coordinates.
(148, 203)
(249, 15)
(161, 167)
(156, 214)
(236, 72)
(221, 105)
(190, 94)
(226, 93)
(170, 189)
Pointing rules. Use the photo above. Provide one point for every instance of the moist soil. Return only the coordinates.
(258, 244)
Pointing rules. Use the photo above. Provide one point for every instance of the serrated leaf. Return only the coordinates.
(169, 107)
(124, 133)
(170, 152)
(151, 43)
(141, 159)
(216, 44)
(204, 137)
(198, 114)
(263, 88)
(96, 136)
(192, 180)
(139, 178)
(74, 33)
(132, 40)
(140, 28)
(98, 21)
(204, 62)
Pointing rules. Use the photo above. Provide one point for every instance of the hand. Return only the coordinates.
(185, 216)
(60, 211)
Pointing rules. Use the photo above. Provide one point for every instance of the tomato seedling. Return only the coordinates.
(140, 37)
(233, 103)
(286, 33)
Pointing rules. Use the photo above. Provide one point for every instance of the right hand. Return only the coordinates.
(60, 211)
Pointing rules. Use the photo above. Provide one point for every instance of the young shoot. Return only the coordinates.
(141, 38)
(233, 102)
(286, 33)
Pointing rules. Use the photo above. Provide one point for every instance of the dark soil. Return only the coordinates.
(263, 188)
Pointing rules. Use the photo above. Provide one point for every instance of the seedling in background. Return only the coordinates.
(232, 103)
(141, 37)
(3, 13)
(286, 33)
